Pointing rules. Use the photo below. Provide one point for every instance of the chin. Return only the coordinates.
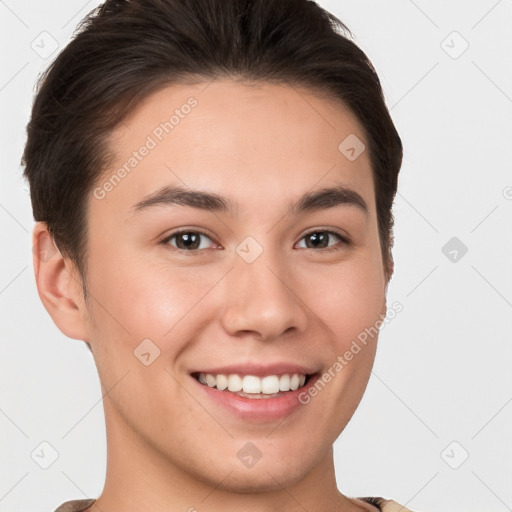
(271, 477)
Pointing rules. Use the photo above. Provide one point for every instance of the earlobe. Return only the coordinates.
(58, 284)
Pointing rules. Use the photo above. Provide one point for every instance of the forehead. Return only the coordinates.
(236, 139)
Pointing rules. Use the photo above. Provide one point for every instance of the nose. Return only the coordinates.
(261, 299)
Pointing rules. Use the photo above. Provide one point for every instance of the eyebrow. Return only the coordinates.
(209, 201)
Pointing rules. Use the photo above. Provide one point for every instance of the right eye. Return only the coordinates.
(187, 240)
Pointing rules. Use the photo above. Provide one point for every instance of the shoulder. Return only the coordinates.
(392, 506)
(385, 505)
(75, 505)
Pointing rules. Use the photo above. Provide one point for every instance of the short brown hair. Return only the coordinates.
(126, 49)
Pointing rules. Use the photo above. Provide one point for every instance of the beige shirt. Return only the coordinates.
(79, 505)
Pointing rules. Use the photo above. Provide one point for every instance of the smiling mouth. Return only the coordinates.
(252, 386)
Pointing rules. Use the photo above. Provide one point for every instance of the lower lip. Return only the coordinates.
(266, 409)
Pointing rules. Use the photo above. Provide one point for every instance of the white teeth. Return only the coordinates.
(234, 383)
(284, 382)
(222, 382)
(294, 382)
(252, 384)
(269, 385)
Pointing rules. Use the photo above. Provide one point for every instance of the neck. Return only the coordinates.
(140, 477)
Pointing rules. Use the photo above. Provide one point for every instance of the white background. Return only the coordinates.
(442, 372)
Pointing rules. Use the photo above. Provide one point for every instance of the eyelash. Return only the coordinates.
(337, 247)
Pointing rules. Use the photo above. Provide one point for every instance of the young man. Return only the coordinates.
(212, 182)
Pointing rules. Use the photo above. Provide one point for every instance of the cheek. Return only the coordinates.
(348, 298)
(348, 302)
(138, 299)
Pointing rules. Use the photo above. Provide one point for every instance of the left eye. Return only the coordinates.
(320, 239)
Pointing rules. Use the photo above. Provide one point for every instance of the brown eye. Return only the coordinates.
(321, 239)
(187, 240)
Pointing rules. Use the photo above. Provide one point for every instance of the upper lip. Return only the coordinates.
(258, 370)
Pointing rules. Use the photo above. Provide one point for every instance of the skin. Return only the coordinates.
(168, 444)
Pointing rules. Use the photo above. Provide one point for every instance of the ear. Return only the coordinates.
(59, 285)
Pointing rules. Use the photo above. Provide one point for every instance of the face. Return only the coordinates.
(269, 276)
